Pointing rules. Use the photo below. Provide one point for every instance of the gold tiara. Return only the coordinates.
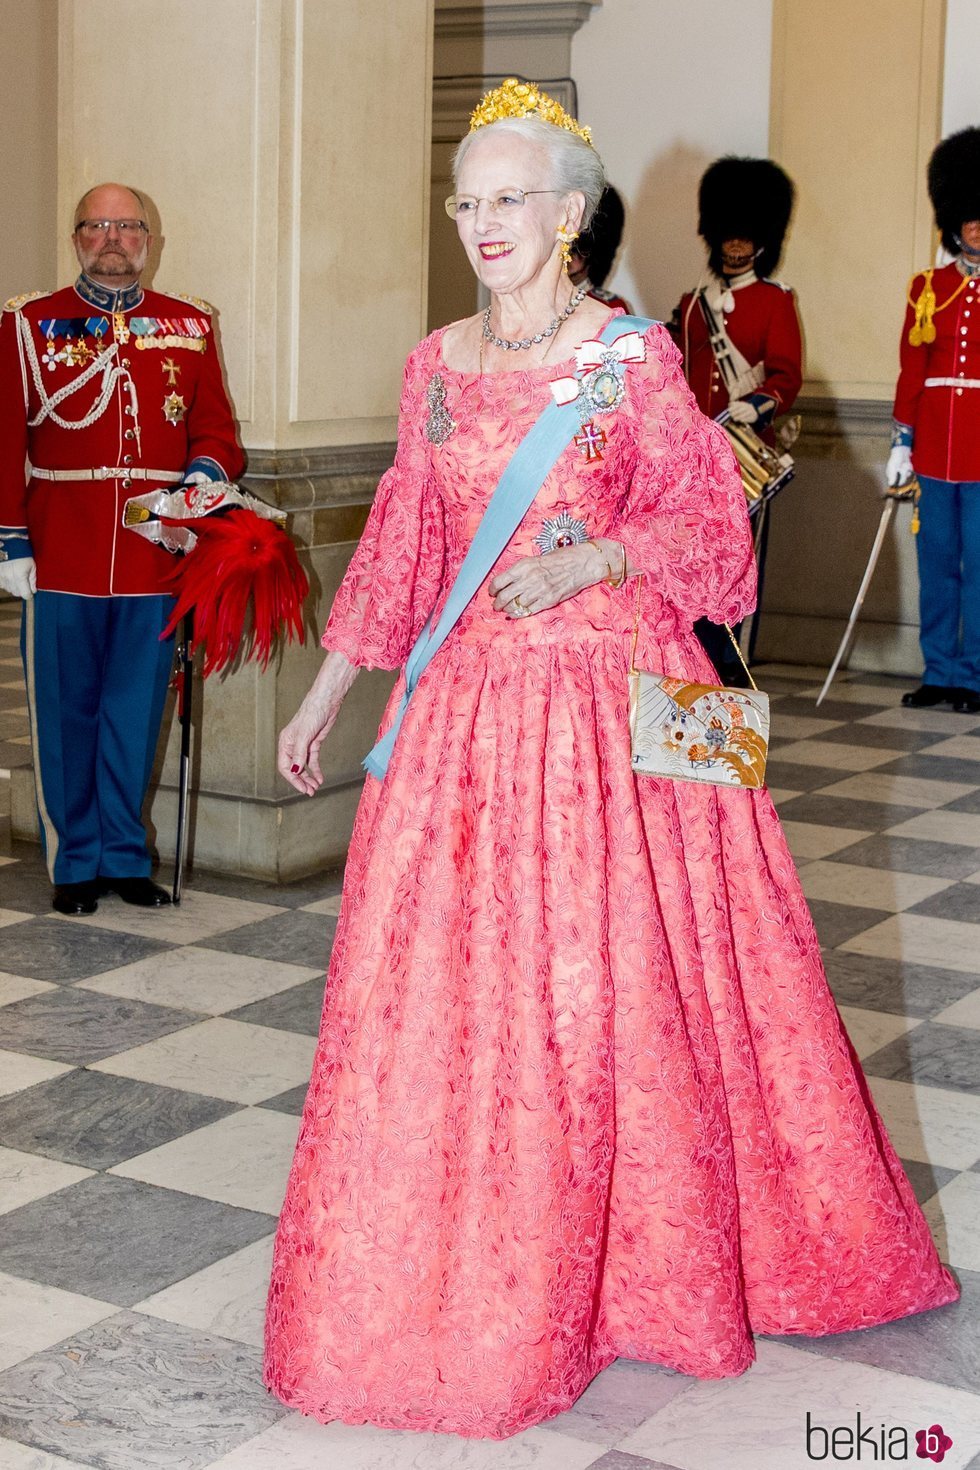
(523, 99)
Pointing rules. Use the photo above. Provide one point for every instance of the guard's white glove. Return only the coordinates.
(742, 411)
(19, 576)
(899, 471)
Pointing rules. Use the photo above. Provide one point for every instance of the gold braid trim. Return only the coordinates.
(923, 329)
(523, 99)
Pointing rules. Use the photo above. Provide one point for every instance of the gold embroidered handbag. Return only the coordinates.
(697, 732)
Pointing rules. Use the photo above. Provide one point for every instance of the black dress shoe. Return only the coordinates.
(141, 891)
(76, 898)
(928, 695)
(967, 702)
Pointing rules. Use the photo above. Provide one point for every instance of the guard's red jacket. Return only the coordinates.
(764, 326)
(944, 417)
(165, 408)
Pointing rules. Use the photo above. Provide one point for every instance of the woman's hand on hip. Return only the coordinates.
(299, 743)
(538, 582)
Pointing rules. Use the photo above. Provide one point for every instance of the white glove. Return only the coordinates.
(742, 411)
(899, 471)
(19, 576)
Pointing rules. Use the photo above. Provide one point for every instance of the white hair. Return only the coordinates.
(574, 166)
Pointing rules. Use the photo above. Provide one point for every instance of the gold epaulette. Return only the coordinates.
(16, 302)
(925, 306)
(204, 306)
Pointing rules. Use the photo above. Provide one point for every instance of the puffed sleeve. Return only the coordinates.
(683, 519)
(395, 574)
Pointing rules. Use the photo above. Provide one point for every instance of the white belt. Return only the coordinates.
(116, 472)
(953, 382)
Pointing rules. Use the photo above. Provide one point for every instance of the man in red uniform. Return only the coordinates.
(107, 391)
(738, 331)
(937, 432)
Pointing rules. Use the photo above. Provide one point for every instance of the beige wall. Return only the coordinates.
(856, 98)
(28, 145)
(279, 177)
(666, 88)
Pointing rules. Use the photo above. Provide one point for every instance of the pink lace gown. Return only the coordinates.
(581, 1089)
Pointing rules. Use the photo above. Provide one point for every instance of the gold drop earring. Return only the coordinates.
(565, 242)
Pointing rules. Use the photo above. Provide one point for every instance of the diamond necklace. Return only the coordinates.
(576, 300)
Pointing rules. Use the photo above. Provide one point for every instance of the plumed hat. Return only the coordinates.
(747, 199)
(954, 184)
(599, 243)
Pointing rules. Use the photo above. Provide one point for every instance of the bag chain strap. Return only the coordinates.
(636, 634)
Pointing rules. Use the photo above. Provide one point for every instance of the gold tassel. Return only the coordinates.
(923, 329)
(915, 522)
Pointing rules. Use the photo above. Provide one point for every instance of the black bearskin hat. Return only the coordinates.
(598, 244)
(745, 199)
(954, 184)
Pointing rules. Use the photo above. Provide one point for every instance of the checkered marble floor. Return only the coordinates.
(153, 1066)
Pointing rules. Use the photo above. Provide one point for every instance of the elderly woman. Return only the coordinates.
(581, 1090)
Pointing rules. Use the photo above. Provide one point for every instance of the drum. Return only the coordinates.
(764, 470)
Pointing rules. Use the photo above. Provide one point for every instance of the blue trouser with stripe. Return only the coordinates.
(97, 678)
(948, 545)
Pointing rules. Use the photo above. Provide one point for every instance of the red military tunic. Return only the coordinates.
(764, 326)
(944, 415)
(165, 409)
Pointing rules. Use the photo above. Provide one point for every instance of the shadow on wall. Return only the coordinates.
(662, 247)
(823, 527)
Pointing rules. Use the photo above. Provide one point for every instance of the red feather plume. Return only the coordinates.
(240, 559)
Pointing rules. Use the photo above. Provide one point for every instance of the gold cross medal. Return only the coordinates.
(174, 408)
(171, 369)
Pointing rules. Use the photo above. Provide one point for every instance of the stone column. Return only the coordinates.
(284, 148)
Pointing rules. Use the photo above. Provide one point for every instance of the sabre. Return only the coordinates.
(892, 499)
(185, 687)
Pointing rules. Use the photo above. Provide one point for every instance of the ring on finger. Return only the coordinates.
(519, 609)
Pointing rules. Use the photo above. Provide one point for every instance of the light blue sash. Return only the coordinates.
(531, 463)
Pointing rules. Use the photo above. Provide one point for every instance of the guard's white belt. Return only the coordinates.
(953, 382)
(105, 472)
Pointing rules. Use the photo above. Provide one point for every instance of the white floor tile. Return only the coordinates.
(965, 1012)
(14, 1456)
(871, 1030)
(241, 1160)
(963, 747)
(963, 828)
(18, 1071)
(943, 722)
(19, 987)
(200, 916)
(874, 888)
(899, 790)
(26, 1177)
(929, 1124)
(884, 694)
(205, 980)
(227, 1299)
(952, 1214)
(296, 1443)
(808, 840)
(836, 757)
(35, 1317)
(329, 905)
(222, 1058)
(758, 1421)
(920, 940)
(13, 916)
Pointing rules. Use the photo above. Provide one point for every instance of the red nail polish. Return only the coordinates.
(295, 770)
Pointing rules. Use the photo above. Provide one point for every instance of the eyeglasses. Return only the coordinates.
(458, 206)
(126, 227)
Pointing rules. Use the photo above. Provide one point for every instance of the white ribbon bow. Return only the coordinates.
(593, 354)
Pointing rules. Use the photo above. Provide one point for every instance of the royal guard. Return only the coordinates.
(738, 330)
(595, 249)
(936, 436)
(108, 391)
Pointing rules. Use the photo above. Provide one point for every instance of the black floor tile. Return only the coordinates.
(296, 1009)
(911, 855)
(303, 939)
(95, 1120)
(81, 1026)
(63, 951)
(838, 922)
(841, 811)
(961, 902)
(933, 1055)
(889, 985)
(934, 768)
